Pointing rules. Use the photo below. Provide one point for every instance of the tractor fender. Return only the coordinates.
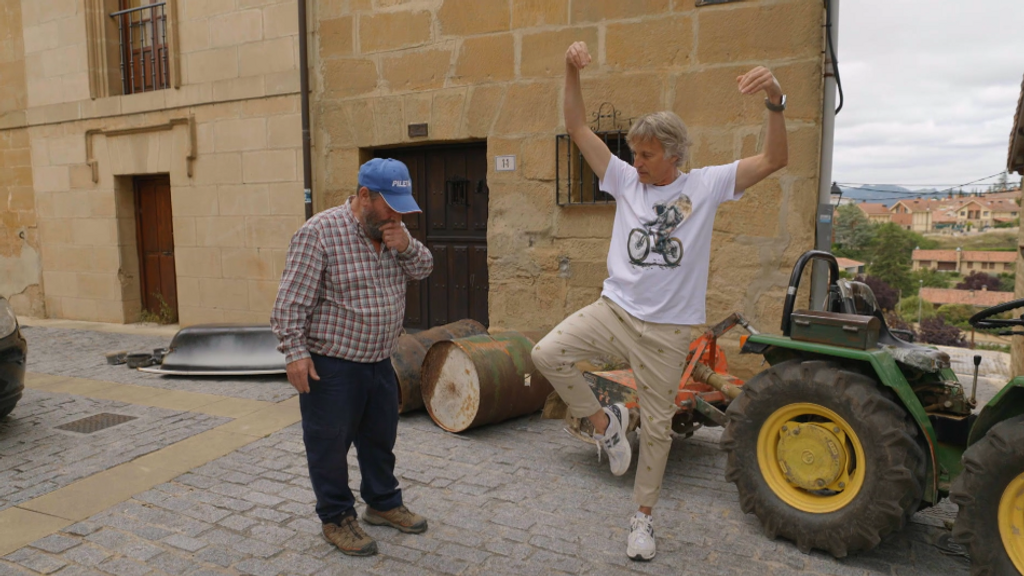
(1008, 403)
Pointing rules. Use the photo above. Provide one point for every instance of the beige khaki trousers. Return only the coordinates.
(655, 352)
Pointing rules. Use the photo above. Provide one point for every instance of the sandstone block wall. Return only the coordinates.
(236, 192)
(493, 70)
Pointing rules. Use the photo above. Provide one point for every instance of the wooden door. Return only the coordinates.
(155, 240)
(450, 184)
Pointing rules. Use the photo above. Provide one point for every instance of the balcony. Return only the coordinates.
(142, 33)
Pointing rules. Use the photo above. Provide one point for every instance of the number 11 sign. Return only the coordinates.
(505, 163)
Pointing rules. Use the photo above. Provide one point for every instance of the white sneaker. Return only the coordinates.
(613, 442)
(640, 545)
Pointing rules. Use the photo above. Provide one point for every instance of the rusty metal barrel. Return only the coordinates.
(412, 348)
(480, 380)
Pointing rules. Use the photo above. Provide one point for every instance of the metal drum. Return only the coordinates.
(412, 348)
(481, 380)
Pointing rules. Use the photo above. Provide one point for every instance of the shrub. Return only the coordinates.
(894, 322)
(908, 308)
(885, 295)
(936, 331)
(956, 314)
(977, 280)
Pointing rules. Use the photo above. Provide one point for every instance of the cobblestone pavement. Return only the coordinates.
(36, 458)
(519, 497)
(80, 353)
(516, 498)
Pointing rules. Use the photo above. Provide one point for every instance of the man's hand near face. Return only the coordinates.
(394, 236)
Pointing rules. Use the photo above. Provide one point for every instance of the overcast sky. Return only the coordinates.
(931, 87)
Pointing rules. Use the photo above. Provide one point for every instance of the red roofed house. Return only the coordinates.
(913, 214)
(875, 212)
(980, 213)
(977, 298)
(852, 267)
(965, 262)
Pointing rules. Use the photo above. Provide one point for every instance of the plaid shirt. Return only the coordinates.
(338, 296)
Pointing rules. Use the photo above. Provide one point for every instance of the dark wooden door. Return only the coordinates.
(450, 184)
(155, 239)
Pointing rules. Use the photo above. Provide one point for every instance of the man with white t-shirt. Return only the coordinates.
(657, 276)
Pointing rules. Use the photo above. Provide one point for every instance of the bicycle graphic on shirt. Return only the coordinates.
(654, 236)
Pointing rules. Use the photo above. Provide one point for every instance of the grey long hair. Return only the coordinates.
(666, 128)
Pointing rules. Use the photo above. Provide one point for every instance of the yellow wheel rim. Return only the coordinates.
(1011, 521)
(811, 458)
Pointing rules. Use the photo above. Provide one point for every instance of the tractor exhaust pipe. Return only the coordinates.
(974, 387)
(701, 373)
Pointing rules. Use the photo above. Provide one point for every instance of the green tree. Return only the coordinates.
(957, 314)
(908, 307)
(931, 278)
(1007, 282)
(853, 232)
(891, 251)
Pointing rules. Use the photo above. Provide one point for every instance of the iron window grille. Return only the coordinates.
(575, 183)
(142, 33)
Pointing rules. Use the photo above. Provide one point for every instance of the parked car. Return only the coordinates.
(13, 351)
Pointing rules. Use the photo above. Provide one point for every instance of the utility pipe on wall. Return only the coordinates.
(307, 160)
(823, 216)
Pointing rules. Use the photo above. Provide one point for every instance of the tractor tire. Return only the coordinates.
(853, 427)
(990, 494)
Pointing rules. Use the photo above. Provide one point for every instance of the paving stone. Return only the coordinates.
(219, 556)
(184, 542)
(172, 563)
(257, 567)
(124, 567)
(86, 555)
(56, 544)
(41, 563)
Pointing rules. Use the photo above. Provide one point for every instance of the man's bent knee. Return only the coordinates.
(545, 358)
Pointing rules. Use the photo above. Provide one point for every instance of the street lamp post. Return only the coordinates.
(920, 286)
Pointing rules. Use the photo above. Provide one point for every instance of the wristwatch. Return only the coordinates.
(775, 107)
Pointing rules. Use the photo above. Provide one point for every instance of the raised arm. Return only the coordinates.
(593, 148)
(775, 154)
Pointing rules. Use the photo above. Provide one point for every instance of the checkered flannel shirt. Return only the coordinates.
(340, 298)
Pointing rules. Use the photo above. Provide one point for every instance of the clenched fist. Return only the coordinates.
(578, 55)
(758, 79)
(393, 235)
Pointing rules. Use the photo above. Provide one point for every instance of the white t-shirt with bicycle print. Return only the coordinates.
(661, 241)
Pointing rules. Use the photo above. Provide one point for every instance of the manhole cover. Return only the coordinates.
(95, 423)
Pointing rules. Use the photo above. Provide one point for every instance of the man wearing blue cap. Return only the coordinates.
(338, 315)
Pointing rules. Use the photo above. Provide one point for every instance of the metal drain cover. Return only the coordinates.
(95, 423)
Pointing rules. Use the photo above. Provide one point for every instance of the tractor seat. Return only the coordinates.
(857, 298)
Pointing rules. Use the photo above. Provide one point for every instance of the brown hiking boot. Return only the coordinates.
(350, 538)
(399, 518)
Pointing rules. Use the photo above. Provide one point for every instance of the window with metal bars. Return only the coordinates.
(575, 182)
(142, 33)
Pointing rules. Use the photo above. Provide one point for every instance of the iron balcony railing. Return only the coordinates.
(143, 41)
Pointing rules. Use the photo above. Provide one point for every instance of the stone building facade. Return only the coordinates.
(482, 78)
(223, 137)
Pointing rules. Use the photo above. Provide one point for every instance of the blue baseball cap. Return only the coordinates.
(391, 179)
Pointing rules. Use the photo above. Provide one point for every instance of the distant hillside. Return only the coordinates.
(887, 194)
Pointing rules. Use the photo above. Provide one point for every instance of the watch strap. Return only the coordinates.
(775, 107)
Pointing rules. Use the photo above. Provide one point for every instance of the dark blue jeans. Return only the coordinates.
(352, 403)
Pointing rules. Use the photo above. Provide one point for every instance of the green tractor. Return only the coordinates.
(852, 430)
